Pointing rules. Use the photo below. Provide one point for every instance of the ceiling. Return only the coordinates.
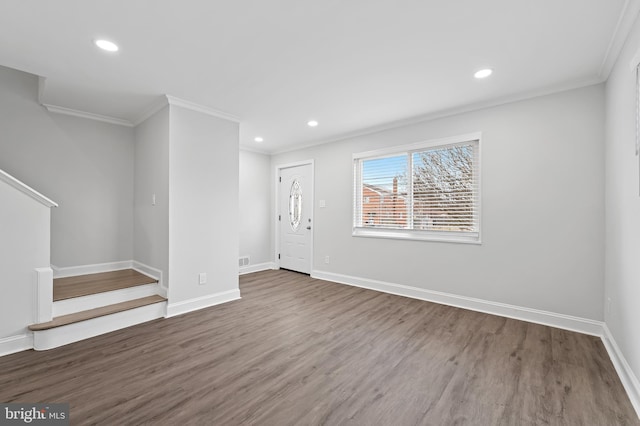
(352, 65)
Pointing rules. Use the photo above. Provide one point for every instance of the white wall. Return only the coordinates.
(203, 205)
(151, 222)
(255, 207)
(85, 165)
(623, 209)
(542, 208)
(24, 246)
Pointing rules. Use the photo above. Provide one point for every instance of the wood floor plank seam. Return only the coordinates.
(295, 350)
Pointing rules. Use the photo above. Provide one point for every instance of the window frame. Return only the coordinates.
(417, 234)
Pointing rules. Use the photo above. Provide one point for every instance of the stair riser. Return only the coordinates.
(84, 303)
(59, 336)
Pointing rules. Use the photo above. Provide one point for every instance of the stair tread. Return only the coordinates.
(97, 312)
(84, 285)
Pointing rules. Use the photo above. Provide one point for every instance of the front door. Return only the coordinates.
(294, 213)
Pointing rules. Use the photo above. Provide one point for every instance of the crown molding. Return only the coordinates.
(42, 82)
(88, 115)
(172, 100)
(165, 100)
(151, 110)
(550, 90)
(627, 17)
(156, 106)
(254, 150)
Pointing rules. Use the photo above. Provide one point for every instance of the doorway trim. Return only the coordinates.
(278, 168)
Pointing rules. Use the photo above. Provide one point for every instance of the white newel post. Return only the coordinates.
(44, 296)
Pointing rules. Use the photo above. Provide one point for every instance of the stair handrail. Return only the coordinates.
(26, 189)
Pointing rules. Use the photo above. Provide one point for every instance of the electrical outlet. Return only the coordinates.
(202, 278)
(153, 199)
(326, 259)
(608, 305)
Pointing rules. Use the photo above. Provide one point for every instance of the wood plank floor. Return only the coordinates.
(299, 351)
(84, 285)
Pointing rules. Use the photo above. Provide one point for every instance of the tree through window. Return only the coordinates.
(425, 191)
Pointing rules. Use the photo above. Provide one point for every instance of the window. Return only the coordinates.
(425, 191)
(295, 205)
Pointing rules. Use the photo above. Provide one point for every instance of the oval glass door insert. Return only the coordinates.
(295, 205)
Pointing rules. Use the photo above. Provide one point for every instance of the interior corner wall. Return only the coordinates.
(255, 207)
(203, 205)
(84, 165)
(151, 182)
(623, 207)
(542, 208)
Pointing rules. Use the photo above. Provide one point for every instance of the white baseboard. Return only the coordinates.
(179, 308)
(13, 344)
(627, 377)
(72, 271)
(566, 322)
(257, 268)
(151, 272)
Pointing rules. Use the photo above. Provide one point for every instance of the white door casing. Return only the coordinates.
(295, 212)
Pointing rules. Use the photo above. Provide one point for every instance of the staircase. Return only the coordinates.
(89, 305)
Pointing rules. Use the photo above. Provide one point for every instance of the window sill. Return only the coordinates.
(412, 235)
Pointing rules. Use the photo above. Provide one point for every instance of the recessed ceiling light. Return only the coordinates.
(107, 45)
(312, 123)
(483, 73)
(258, 139)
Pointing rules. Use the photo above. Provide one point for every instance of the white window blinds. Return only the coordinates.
(430, 191)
